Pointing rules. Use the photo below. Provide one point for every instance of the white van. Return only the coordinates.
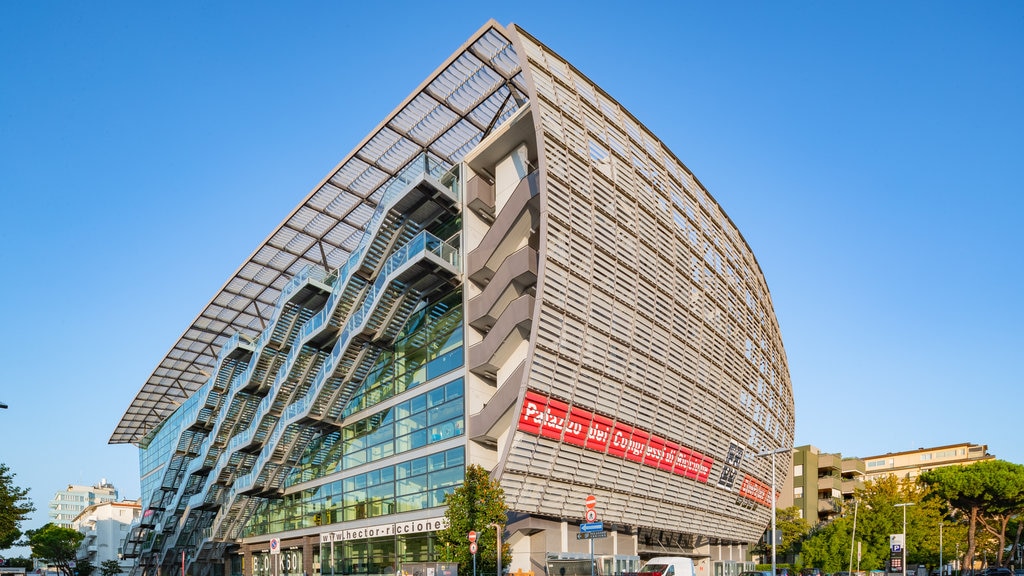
(668, 566)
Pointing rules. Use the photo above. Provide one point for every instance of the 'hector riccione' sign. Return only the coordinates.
(551, 418)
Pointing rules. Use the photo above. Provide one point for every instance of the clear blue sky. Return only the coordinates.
(870, 152)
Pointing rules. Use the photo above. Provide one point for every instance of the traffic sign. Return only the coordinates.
(591, 535)
(591, 515)
(592, 527)
(591, 501)
(472, 547)
(472, 536)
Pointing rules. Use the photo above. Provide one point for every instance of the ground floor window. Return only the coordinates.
(287, 563)
(376, 556)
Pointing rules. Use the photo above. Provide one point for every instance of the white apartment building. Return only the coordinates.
(66, 505)
(105, 525)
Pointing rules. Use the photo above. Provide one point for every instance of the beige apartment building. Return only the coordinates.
(820, 482)
(911, 463)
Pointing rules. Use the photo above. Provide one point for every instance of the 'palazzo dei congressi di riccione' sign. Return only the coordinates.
(557, 420)
(396, 528)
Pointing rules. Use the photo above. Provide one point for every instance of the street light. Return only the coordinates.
(853, 534)
(497, 529)
(942, 569)
(904, 506)
(773, 453)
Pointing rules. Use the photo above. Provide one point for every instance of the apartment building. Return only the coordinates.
(510, 271)
(67, 504)
(911, 463)
(819, 483)
(105, 527)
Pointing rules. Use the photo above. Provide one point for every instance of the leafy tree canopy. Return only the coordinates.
(475, 506)
(794, 530)
(833, 546)
(20, 562)
(988, 494)
(110, 568)
(14, 508)
(55, 545)
(84, 568)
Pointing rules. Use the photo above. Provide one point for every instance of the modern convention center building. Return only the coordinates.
(510, 271)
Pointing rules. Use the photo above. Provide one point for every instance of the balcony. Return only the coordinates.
(828, 506)
(830, 483)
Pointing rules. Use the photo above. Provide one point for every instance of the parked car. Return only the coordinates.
(756, 573)
(998, 571)
(783, 572)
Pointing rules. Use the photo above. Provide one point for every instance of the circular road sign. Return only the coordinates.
(591, 501)
(591, 515)
(472, 547)
(472, 536)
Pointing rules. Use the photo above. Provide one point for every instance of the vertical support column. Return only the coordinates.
(309, 546)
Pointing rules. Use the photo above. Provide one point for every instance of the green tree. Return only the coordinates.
(476, 506)
(14, 508)
(794, 530)
(988, 494)
(20, 562)
(110, 568)
(84, 568)
(55, 545)
(830, 547)
(1017, 529)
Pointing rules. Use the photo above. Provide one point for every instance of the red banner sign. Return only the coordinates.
(554, 419)
(755, 490)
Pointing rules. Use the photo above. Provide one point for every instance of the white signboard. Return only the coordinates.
(410, 527)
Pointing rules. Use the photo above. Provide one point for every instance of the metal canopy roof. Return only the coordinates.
(446, 116)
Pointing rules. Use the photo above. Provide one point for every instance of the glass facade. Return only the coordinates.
(155, 453)
(415, 484)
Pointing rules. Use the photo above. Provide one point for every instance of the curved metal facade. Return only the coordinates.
(656, 365)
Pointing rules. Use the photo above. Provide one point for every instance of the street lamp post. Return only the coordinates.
(773, 453)
(853, 534)
(497, 529)
(942, 569)
(904, 506)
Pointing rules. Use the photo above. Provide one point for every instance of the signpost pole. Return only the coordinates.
(590, 516)
(591, 557)
(472, 548)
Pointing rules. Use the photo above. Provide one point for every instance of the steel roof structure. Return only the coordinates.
(473, 91)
